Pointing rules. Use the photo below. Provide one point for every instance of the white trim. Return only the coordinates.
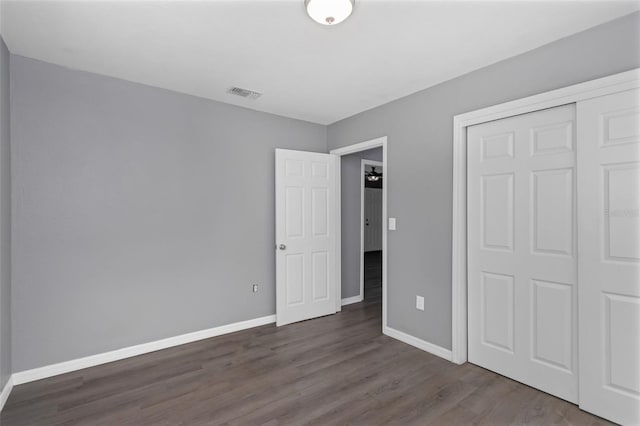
(351, 149)
(354, 299)
(363, 163)
(567, 95)
(418, 343)
(579, 92)
(131, 351)
(338, 234)
(362, 146)
(6, 391)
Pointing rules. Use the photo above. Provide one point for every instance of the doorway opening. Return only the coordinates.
(371, 229)
(362, 257)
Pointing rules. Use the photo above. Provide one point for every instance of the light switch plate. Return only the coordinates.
(420, 303)
(392, 224)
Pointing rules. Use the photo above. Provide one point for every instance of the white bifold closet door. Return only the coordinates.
(522, 263)
(609, 260)
(553, 232)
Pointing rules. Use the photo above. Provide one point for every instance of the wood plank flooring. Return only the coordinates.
(338, 369)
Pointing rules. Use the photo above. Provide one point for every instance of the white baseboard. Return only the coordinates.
(418, 343)
(4, 395)
(103, 358)
(350, 300)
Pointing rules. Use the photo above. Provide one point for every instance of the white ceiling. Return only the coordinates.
(385, 50)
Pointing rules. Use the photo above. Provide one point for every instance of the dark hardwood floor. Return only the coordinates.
(373, 278)
(337, 369)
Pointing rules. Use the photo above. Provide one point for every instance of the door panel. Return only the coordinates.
(372, 219)
(320, 212)
(552, 212)
(294, 279)
(551, 323)
(609, 264)
(497, 212)
(621, 364)
(619, 197)
(320, 279)
(497, 311)
(522, 270)
(294, 212)
(553, 138)
(305, 235)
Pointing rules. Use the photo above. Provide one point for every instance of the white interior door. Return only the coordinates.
(306, 217)
(609, 246)
(372, 219)
(522, 270)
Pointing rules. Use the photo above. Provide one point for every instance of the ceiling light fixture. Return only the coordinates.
(373, 176)
(329, 12)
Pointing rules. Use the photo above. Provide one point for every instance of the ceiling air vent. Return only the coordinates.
(249, 94)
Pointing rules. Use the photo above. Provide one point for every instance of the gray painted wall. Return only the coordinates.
(139, 213)
(420, 165)
(133, 206)
(5, 218)
(350, 218)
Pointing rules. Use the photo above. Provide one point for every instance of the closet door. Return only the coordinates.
(522, 267)
(609, 247)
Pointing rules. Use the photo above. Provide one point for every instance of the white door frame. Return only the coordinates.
(363, 164)
(351, 149)
(603, 86)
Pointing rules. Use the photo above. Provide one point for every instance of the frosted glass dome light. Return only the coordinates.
(329, 12)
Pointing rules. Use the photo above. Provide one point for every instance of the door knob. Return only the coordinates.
(282, 247)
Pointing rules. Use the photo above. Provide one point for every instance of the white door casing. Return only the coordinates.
(306, 216)
(359, 147)
(372, 219)
(522, 267)
(609, 262)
